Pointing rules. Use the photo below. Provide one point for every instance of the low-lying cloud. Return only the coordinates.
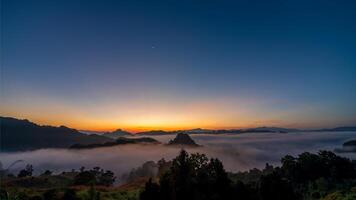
(237, 152)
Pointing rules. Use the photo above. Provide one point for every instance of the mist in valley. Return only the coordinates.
(237, 152)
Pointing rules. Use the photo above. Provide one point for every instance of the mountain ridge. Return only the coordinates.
(23, 135)
(117, 133)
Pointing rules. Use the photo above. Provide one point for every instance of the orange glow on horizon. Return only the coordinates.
(107, 126)
(144, 115)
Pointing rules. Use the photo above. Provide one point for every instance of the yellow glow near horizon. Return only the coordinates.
(149, 114)
(144, 124)
(135, 118)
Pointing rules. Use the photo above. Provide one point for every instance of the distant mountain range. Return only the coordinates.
(116, 134)
(122, 133)
(22, 135)
(238, 131)
(344, 128)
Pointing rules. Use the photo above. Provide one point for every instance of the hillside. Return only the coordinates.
(347, 147)
(350, 143)
(22, 135)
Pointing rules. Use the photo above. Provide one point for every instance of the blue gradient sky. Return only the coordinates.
(179, 64)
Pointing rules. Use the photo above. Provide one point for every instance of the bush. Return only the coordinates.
(26, 172)
(70, 194)
(95, 176)
(51, 194)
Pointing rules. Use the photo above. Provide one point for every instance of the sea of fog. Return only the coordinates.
(238, 152)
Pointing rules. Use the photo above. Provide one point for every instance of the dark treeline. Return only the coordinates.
(308, 176)
(322, 176)
(48, 186)
(95, 176)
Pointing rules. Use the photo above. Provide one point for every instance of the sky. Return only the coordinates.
(140, 65)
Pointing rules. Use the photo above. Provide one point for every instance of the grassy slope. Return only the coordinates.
(36, 186)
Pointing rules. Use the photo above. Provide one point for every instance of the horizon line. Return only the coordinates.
(147, 129)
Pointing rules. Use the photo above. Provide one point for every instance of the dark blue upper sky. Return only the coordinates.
(168, 63)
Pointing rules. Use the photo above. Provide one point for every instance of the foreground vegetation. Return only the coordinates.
(324, 176)
(308, 176)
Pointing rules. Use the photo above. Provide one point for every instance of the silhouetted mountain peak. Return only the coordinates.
(117, 133)
(183, 139)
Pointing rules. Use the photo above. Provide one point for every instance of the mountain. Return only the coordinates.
(198, 131)
(344, 128)
(347, 147)
(270, 129)
(254, 130)
(22, 135)
(89, 132)
(119, 141)
(350, 143)
(155, 132)
(222, 131)
(116, 134)
(183, 139)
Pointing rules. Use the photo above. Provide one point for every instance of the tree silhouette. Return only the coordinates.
(94, 176)
(190, 177)
(26, 172)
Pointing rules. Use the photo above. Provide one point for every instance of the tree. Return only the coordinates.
(84, 178)
(242, 191)
(179, 181)
(69, 194)
(94, 176)
(311, 167)
(290, 168)
(51, 194)
(151, 191)
(337, 167)
(47, 173)
(191, 177)
(163, 166)
(106, 178)
(36, 197)
(307, 176)
(26, 172)
(272, 186)
(93, 194)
